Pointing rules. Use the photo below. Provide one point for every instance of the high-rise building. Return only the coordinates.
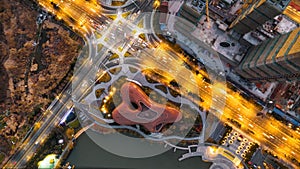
(257, 13)
(190, 14)
(275, 59)
(293, 10)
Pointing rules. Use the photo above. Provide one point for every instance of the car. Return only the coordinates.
(250, 131)
(240, 138)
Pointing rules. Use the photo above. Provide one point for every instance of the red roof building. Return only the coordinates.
(137, 108)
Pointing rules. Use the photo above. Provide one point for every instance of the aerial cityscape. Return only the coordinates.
(142, 84)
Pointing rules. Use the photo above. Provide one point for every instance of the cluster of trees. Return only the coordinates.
(50, 146)
(34, 65)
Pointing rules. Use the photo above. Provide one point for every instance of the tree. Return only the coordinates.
(70, 133)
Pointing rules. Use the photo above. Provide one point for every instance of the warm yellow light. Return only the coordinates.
(37, 124)
(156, 4)
(212, 150)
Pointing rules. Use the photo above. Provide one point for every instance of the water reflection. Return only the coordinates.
(87, 154)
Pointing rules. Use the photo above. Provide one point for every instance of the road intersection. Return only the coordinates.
(126, 33)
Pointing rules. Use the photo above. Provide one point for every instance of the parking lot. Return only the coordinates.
(237, 143)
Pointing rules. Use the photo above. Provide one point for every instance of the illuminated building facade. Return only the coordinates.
(293, 10)
(257, 13)
(276, 59)
(189, 14)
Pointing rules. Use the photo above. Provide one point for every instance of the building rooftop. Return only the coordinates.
(285, 24)
(212, 35)
(189, 13)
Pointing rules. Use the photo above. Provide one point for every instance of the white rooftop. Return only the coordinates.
(285, 25)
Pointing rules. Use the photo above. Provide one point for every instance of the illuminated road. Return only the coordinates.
(76, 86)
(269, 132)
(82, 16)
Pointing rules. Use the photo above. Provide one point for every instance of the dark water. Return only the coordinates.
(87, 154)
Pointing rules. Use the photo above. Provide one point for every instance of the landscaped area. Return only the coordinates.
(112, 99)
(48, 162)
(53, 146)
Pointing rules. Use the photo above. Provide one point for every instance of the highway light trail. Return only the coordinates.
(279, 137)
(85, 16)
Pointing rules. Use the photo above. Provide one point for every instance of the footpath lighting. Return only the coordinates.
(156, 4)
(105, 100)
(103, 109)
(212, 150)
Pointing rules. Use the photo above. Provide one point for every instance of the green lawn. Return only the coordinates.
(74, 124)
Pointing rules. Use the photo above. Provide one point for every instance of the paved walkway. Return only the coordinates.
(137, 76)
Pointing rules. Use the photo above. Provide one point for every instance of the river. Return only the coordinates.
(87, 154)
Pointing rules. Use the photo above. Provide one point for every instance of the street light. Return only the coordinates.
(212, 150)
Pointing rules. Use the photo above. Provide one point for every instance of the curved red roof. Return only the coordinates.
(137, 108)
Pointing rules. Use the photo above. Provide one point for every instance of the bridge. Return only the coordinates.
(83, 130)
